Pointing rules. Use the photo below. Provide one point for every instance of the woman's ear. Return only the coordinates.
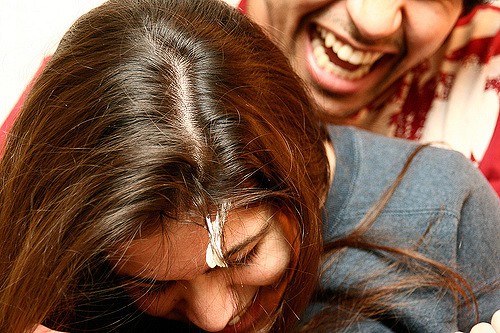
(330, 154)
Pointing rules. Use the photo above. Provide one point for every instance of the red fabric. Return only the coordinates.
(483, 48)
(476, 51)
(489, 166)
(243, 6)
(410, 121)
(464, 20)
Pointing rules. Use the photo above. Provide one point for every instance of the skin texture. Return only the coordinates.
(390, 31)
(186, 289)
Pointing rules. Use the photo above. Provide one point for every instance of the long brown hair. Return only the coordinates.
(148, 109)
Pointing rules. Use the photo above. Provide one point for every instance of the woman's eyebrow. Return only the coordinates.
(240, 246)
(140, 279)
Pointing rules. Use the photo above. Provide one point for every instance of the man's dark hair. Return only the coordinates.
(469, 4)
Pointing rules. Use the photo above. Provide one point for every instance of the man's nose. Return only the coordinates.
(376, 19)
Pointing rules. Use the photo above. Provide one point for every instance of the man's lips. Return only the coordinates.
(340, 58)
(340, 69)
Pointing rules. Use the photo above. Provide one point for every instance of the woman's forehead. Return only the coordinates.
(179, 252)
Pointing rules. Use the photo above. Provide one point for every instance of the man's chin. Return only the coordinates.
(335, 112)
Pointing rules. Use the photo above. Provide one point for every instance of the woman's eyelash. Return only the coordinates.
(248, 257)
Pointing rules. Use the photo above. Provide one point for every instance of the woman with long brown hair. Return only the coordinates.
(167, 171)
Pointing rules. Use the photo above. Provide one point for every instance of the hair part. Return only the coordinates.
(150, 109)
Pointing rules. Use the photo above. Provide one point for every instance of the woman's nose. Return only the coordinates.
(376, 19)
(209, 301)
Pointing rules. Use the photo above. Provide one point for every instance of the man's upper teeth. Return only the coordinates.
(345, 52)
(324, 62)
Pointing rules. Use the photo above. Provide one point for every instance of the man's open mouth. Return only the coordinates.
(340, 58)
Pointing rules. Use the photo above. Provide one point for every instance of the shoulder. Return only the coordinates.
(381, 159)
(435, 182)
(443, 207)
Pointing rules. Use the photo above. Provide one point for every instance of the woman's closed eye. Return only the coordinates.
(245, 259)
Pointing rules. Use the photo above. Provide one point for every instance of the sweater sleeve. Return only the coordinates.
(478, 250)
(444, 208)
